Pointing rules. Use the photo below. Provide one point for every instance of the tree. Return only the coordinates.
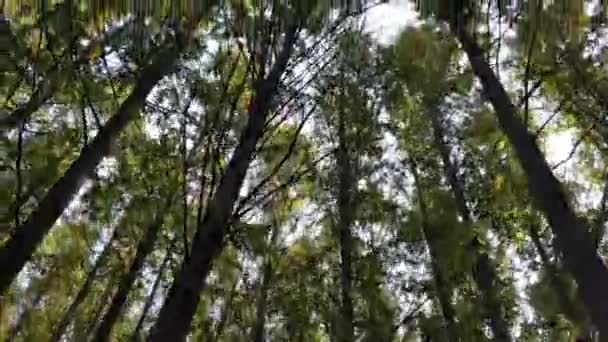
(177, 312)
(26, 237)
(573, 240)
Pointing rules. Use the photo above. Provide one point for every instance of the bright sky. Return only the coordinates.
(385, 21)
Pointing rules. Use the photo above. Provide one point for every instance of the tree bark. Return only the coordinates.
(84, 290)
(484, 273)
(573, 240)
(145, 246)
(151, 295)
(345, 217)
(442, 286)
(26, 238)
(176, 314)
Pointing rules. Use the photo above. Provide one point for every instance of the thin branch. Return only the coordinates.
(408, 318)
(528, 67)
(553, 115)
(287, 155)
(241, 211)
(183, 152)
(572, 151)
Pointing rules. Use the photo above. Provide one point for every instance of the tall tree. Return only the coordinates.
(436, 63)
(23, 242)
(573, 239)
(442, 285)
(177, 312)
(345, 214)
(84, 289)
(145, 246)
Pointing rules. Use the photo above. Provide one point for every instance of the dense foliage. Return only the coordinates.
(271, 171)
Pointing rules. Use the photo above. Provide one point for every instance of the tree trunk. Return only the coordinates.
(145, 246)
(84, 290)
(262, 300)
(345, 217)
(558, 283)
(92, 324)
(261, 304)
(177, 312)
(26, 238)
(151, 296)
(23, 317)
(221, 325)
(573, 240)
(484, 273)
(442, 286)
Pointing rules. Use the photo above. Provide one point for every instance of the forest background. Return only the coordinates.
(304, 170)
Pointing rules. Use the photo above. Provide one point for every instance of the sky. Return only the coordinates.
(385, 21)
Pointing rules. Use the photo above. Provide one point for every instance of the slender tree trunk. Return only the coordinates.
(573, 240)
(484, 274)
(26, 238)
(107, 293)
(221, 325)
(345, 217)
(261, 304)
(442, 286)
(84, 290)
(151, 296)
(145, 246)
(557, 282)
(262, 300)
(23, 317)
(176, 314)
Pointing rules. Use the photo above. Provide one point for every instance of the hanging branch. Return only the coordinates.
(18, 186)
(87, 98)
(528, 68)
(85, 126)
(183, 152)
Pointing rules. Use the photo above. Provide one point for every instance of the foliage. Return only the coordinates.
(345, 194)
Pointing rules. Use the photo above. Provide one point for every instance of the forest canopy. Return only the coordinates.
(293, 171)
